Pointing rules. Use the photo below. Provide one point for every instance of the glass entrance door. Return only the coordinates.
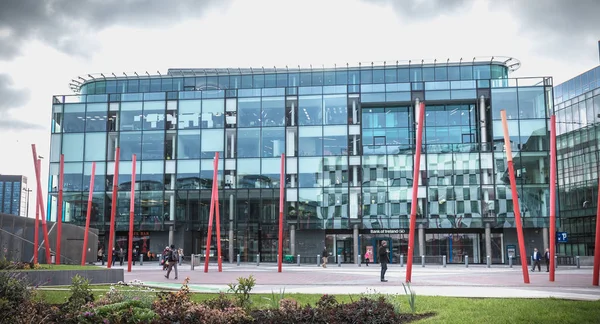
(376, 241)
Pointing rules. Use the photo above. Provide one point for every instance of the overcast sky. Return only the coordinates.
(46, 43)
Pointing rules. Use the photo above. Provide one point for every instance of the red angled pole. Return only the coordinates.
(40, 201)
(113, 209)
(414, 203)
(131, 210)
(212, 209)
(87, 218)
(281, 188)
(552, 195)
(515, 198)
(59, 214)
(218, 219)
(36, 231)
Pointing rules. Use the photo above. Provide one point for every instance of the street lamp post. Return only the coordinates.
(27, 209)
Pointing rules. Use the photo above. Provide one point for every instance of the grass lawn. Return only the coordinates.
(448, 309)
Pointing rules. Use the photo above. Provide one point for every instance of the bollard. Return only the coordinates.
(298, 260)
(423, 261)
(489, 261)
(510, 261)
(339, 260)
(577, 261)
(402, 260)
(159, 258)
(318, 260)
(141, 259)
(257, 260)
(444, 261)
(466, 261)
(556, 262)
(531, 260)
(359, 260)
(192, 262)
(238, 259)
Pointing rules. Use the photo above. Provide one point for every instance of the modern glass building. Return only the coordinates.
(348, 133)
(577, 105)
(13, 195)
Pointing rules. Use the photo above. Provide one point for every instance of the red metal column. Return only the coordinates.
(552, 195)
(131, 218)
(515, 198)
(281, 191)
(59, 205)
(414, 202)
(36, 231)
(212, 208)
(113, 210)
(218, 218)
(40, 202)
(87, 218)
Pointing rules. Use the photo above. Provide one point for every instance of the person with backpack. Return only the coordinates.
(173, 258)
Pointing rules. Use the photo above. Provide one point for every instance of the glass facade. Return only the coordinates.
(13, 195)
(577, 109)
(349, 139)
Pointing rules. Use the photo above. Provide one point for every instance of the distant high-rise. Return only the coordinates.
(577, 109)
(13, 195)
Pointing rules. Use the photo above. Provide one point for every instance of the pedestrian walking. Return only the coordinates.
(368, 257)
(121, 256)
(100, 255)
(547, 257)
(324, 256)
(173, 258)
(384, 259)
(536, 257)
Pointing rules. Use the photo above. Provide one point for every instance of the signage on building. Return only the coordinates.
(387, 231)
(561, 237)
(141, 234)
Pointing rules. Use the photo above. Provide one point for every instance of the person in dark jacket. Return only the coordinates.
(384, 259)
(324, 256)
(547, 258)
(536, 257)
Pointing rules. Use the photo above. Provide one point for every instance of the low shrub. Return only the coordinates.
(241, 291)
(131, 311)
(221, 303)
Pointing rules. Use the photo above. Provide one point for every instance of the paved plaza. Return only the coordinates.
(432, 280)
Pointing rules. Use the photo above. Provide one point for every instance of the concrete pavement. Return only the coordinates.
(432, 280)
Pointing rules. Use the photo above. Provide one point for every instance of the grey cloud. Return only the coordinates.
(559, 25)
(558, 28)
(424, 8)
(69, 25)
(11, 97)
(7, 123)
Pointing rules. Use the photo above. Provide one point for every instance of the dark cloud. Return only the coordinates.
(11, 97)
(70, 25)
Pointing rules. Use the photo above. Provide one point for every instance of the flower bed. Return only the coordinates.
(134, 303)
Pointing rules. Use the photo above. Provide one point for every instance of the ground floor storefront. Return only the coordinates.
(347, 246)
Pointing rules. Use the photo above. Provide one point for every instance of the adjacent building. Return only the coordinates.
(14, 195)
(348, 133)
(577, 106)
